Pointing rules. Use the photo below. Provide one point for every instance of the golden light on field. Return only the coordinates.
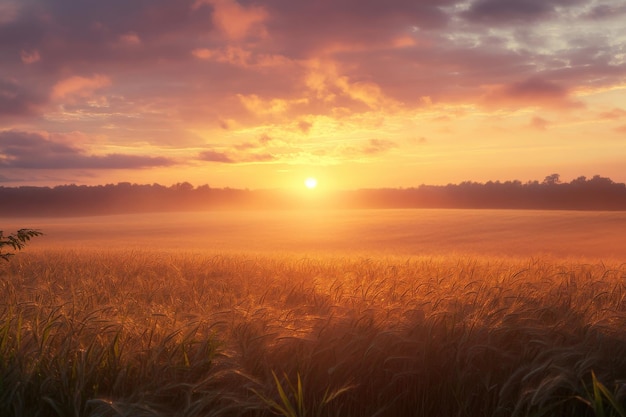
(310, 183)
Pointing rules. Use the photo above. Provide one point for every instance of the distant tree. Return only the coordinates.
(16, 241)
(552, 179)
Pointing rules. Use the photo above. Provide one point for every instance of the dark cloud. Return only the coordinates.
(16, 100)
(606, 11)
(534, 92)
(33, 151)
(27, 29)
(535, 87)
(70, 32)
(306, 26)
(514, 11)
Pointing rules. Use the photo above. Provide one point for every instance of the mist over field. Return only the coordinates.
(515, 233)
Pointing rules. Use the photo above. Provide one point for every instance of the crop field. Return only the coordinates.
(365, 314)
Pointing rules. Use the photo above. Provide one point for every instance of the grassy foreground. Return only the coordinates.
(117, 333)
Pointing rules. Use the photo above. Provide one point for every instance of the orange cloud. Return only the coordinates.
(614, 114)
(79, 86)
(404, 42)
(258, 106)
(202, 53)
(325, 80)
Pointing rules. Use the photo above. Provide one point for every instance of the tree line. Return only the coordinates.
(596, 193)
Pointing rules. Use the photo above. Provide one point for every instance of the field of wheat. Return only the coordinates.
(120, 332)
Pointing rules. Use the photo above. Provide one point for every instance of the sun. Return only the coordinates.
(310, 183)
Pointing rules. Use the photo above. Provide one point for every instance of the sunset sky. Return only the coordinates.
(357, 93)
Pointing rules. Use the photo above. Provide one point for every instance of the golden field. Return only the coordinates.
(390, 313)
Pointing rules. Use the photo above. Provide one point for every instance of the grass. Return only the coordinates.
(155, 333)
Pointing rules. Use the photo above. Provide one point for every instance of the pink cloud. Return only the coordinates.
(235, 20)
(79, 86)
(30, 57)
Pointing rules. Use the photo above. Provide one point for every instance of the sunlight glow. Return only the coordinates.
(310, 183)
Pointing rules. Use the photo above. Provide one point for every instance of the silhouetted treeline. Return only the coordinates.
(597, 193)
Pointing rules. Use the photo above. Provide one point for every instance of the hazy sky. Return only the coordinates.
(359, 93)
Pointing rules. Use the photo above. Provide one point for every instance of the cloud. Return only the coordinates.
(621, 129)
(34, 151)
(531, 92)
(173, 73)
(539, 123)
(606, 11)
(326, 81)
(514, 11)
(246, 145)
(263, 157)
(238, 155)
(130, 39)
(304, 126)
(30, 57)
(236, 21)
(79, 86)
(261, 107)
(303, 27)
(613, 114)
(214, 156)
(8, 11)
(16, 100)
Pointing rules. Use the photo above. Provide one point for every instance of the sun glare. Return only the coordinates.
(310, 183)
